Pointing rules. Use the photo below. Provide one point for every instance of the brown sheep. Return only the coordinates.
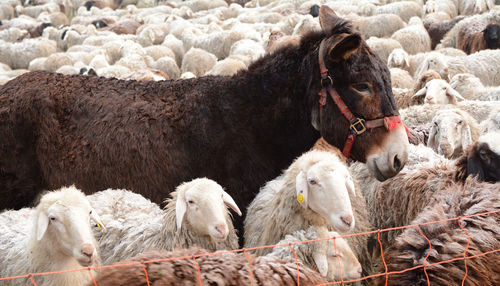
(437, 30)
(449, 241)
(218, 269)
(421, 82)
(476, 37)
(239, 130)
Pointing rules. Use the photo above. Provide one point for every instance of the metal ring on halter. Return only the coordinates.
(325, 78)
(358, 121)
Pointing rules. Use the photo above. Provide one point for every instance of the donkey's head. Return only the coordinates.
(350, 70)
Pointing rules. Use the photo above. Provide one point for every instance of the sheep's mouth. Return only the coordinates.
(86, 262)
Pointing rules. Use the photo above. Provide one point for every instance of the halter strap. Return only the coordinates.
(357, 126)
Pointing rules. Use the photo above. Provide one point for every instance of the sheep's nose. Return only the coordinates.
(347, 219)
(221, 229)
(87, 250)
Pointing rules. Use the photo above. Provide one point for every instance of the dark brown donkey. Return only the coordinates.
(241, 131)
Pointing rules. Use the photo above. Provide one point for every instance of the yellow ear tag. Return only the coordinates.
(300, 198)
(469, 178)
(98, 225)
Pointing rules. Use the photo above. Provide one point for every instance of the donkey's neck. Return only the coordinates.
(274, 97)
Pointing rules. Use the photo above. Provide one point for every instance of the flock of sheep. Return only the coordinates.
(445, 70)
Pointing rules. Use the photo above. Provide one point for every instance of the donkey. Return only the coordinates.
(241, 131)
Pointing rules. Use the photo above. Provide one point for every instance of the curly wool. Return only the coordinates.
(220, 269)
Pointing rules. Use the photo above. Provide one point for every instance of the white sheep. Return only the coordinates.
(227, 67)
(381, 26)
(168, 66)
(452, 131)
(248, 48)
(19, 55)
(492, 123)
(198, 61)
(383, 47)
(195, 215)
(438, 91)
(176, 46)
(470, 87)
(414, 38)
(218, 43)
(401, 79)
(54, 236)
(321, 255)
(470, 7)
(312, 191)
(447, 6)
(404, 9)
(418, 115)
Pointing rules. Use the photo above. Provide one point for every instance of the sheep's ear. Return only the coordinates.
(321, 263)
(421, 92)
(466, 136)
(453, 93)
(327, 18)
(407, 61)
(180, 209)
(344, 45)
(475, 166)
(228, 200)
(301, 189)
(431, 142)
(43, 223)
(95, 217)
(350, 185)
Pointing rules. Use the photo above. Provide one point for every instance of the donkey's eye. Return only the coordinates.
(361, 87)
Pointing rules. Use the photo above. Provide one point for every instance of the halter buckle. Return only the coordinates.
(358, 126)
(323, 84)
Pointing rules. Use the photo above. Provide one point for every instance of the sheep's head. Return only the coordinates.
(482, 159)
(491, 36)
(201, 206)
(398, 59)
(466, 84)
(451, 132)
(328, 262)
(322, 186)
(63, 222)
(438, 91)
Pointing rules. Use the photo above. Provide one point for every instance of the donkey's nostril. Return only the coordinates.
(397, 163)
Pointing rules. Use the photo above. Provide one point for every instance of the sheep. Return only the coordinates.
(438, 91)
(482, 158)
(437, 30)
(218, 43)
(404, 9)
(449, 240)
(447, 6)
(475, 37)
(450, 39)
(194, 215)
(470, 87)
(401, 79)
(422, 114)
(220, 269)
(53, 236)
(278, 39)
(321, 255)
(227, 67)
(176, 46)
(248, 48)
(492, 123)
(383, 47)
(168, 66)
(470, 7)
(402, 97)
(198, 61)
(452, 131)
(13, 34)
(398, 58)
(6, 12)
(422, 80)
(19, 55)
(291, 202)
(397, 201)
(380, 26)
(414, 37)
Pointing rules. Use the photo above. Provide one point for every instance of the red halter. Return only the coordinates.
(357, 125)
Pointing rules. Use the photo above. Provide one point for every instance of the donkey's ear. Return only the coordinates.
(327, 18)
(475, 166)
(344, 46)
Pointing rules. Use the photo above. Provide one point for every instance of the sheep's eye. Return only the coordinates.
(90, 212)
(361, 87)
(312, 182)
(190, 202)
(52, 218)
(459, 122)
